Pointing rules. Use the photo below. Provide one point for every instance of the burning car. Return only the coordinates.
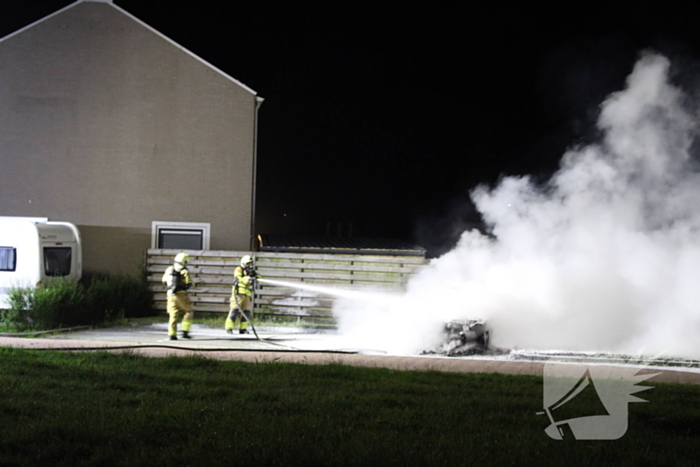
(463, 337)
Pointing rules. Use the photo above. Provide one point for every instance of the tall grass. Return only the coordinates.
(123, 410)
(62, 302)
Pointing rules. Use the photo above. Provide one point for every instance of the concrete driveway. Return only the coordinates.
(287, 345)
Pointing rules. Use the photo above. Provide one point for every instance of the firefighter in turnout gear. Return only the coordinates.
(241, 309)
(177, 281)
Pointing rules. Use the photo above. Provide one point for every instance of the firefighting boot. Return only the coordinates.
(186, 335)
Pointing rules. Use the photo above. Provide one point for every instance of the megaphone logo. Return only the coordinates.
(589, 402)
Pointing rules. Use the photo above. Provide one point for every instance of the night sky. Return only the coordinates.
(385, 117)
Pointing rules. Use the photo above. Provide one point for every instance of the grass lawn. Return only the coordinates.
(105, 409)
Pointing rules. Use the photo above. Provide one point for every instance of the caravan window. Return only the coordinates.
(8, 258)
(57, 261)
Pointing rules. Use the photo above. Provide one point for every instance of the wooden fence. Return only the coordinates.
(212, 273)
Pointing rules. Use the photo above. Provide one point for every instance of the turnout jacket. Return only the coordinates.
(243, 283)
(177, 280)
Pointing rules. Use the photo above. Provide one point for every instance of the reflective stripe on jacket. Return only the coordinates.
(243, 284)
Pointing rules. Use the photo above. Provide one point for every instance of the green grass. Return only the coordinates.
(103, 409)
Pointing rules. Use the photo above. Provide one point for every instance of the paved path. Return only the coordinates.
(289, 346)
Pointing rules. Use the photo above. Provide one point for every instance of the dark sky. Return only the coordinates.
(385, 117)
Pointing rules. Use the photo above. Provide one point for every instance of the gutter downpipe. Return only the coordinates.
(258, 102)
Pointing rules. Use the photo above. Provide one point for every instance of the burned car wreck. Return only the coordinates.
(463, 337)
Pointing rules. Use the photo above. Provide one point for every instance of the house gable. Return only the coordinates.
(137, 20)
(106, 123)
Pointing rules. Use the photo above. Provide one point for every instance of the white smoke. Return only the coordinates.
(605, 257)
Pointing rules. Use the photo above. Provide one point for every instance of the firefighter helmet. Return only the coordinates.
(246, 260)
(182, 258)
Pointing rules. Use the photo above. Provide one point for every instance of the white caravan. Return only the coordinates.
(34, 249)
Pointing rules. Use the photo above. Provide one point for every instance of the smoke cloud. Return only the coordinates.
(604, 257)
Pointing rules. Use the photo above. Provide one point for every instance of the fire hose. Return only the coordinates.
(247, 318)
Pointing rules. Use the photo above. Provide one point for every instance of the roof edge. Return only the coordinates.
(134, 18)
(190, 53)
(41, 20)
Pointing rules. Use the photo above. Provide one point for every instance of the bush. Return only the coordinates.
(120, 296)
(62, 302)
(18, 316)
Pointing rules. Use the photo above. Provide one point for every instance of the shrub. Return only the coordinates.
(20, 300)
(62, 302)
(119, 295)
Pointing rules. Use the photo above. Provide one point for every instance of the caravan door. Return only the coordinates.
(60, 250)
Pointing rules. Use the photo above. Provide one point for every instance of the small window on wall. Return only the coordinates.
(180, 236)
(57, 261)
(8, 258)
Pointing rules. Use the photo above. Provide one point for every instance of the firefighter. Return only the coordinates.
(177, 280)
(244, 281)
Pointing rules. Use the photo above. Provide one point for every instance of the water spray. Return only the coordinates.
(376, 310)
(333, 291)
(343, 293)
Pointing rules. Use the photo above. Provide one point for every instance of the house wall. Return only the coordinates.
(106, 124)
